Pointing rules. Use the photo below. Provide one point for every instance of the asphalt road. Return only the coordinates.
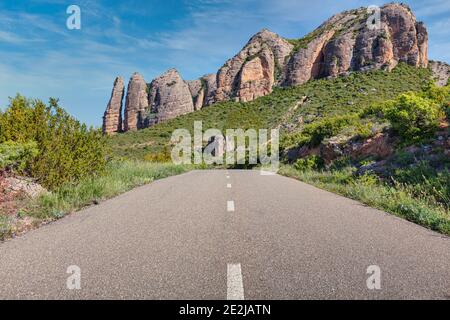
(219, 235)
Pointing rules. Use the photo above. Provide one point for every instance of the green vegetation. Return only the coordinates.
(313, 134)
(397, 199)
(6, 227)
(342, 96)
(17, 156)
(309, 163)
(66, 150)
(414, 115)
(69, 159)
(413, 183)
(119, 178)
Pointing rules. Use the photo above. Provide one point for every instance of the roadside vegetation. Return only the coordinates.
(42, 145)
(413, 182)
(409, 201)
(119, 177)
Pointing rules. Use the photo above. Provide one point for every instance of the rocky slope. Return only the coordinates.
(346, 42)
(441, 72)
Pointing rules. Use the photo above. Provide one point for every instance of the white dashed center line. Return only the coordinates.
(230, 206)
(235, 286)
(229, 185)
(228, 177)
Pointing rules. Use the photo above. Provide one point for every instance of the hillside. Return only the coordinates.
(325, 98)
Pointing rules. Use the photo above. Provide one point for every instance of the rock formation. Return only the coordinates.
(197, 93)
(112, 119)
(441, 72)
(136, 103)
(209, 82)
(251, 73)
(203, 90)
(348, 41)
(169, 97)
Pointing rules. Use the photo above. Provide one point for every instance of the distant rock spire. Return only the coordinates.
(112, 119)
(169, 96)
(136, 102)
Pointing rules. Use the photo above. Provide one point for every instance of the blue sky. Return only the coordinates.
(41, 58)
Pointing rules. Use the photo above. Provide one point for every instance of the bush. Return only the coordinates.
(328, 128)
(17, 156)
(67, 150)
(439, 94)
(413, 116)
(309, 163)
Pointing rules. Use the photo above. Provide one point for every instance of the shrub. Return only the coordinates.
(314, 133)
(328, 127)
(17, 156)
(439, 94)
(309, 163)
(413, 116)
(67, 150)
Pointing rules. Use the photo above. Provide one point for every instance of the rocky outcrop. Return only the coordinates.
(203, 91)
(307, 62)
(409, 38)
(197, 93)
(136, 103)
(169, 97)
(379, 146)
(209, 82)
(441, 72)
(112, 119)
(251, 73)
(347, 42)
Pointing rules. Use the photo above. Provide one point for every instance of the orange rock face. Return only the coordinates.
(250, 74)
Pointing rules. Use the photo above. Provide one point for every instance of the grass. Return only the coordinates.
(6, 227)
(396, 199)
(120, 177)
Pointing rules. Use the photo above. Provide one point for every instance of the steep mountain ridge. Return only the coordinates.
(346, 42)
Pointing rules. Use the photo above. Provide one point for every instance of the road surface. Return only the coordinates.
(227, 235)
